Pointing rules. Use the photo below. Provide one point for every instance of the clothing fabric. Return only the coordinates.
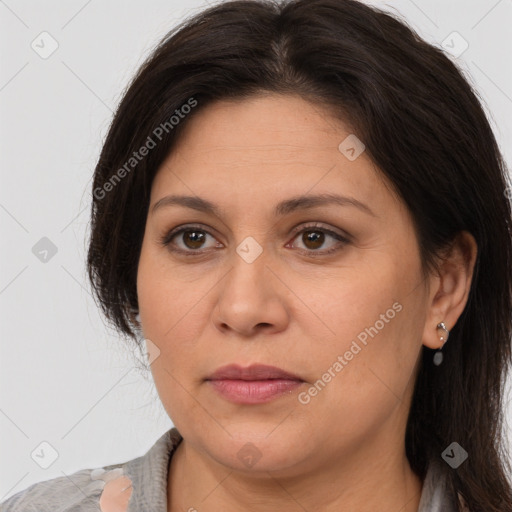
(82, 491)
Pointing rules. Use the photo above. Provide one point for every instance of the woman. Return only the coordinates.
(302, 210)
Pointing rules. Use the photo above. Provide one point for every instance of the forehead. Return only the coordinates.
(276, 128)
(264, 147)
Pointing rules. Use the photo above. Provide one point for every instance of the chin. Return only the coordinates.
(255, 450)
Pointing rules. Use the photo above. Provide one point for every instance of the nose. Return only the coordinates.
(252, 298)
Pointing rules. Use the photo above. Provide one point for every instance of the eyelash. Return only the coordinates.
(167, 238)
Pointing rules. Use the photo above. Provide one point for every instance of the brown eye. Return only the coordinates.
(193, 239)
(313, 239)
(190, 239)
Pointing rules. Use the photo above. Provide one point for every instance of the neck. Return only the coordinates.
(364, 482)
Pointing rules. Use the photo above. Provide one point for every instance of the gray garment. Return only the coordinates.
(81, 491)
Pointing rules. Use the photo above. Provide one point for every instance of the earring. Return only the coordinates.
(438, 356)
(137, 318)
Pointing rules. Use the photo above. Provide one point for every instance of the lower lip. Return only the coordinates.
(253, 391)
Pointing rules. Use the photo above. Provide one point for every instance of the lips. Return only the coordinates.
(256, 384)
(254, 372)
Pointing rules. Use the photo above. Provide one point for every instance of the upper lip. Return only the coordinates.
(253, 372)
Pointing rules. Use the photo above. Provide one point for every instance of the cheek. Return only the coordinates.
(173, 315)
(166, 297)
(370, 356)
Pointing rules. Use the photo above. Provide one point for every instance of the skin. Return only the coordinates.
(291, 309)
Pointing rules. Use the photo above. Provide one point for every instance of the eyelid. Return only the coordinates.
(168, 236)
(320, 226)
(342, 237)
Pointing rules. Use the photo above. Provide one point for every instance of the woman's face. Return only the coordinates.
(266, 281)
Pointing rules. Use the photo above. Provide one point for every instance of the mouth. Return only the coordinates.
(254, 384)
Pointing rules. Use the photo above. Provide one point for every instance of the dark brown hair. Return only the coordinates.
(426, 131)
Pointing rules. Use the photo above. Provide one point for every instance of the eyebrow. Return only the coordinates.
(285, 207)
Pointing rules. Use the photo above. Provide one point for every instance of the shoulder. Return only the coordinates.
(80, 491)
(105, 489)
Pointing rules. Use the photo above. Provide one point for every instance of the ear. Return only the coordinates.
(449, 290)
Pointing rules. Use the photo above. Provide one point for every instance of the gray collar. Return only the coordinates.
(149, 474)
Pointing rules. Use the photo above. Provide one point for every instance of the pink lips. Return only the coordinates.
(254, 384)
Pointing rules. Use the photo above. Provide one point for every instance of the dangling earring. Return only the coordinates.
(438, 356)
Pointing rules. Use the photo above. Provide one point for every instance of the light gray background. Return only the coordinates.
(65, 379)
